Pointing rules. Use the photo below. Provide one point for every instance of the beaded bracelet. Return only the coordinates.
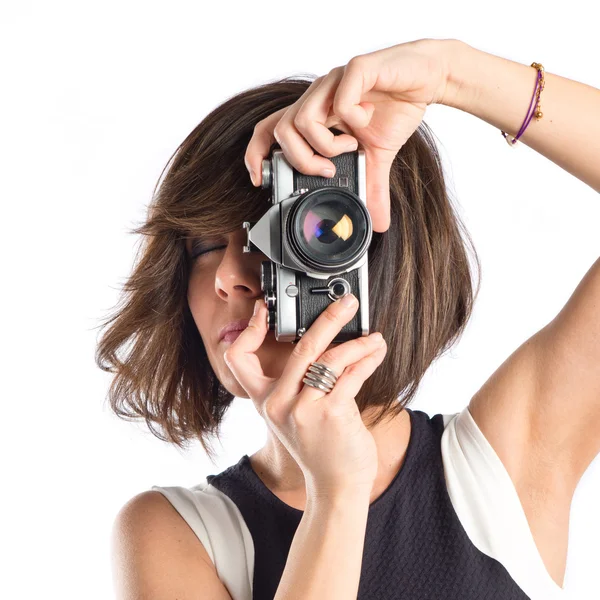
(539, 86)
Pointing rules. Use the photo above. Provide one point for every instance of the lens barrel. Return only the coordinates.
(327, 229)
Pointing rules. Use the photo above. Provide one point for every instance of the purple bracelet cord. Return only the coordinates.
(530, 112)
(533, 101)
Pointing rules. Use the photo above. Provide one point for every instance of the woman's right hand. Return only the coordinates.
(323, 432)
(378, 98)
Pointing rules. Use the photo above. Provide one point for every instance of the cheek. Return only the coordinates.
(198, 303)
(194, 300)
(199, 287)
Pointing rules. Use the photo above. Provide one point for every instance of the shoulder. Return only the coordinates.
(150, 516)
(147, 508)
(153, 548)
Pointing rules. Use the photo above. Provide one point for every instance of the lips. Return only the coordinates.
(238, 325)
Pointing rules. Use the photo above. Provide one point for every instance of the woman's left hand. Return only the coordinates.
(378, 99)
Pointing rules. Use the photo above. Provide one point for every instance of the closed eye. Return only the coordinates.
(208, 250)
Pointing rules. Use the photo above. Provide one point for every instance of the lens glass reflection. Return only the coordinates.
(329, 227)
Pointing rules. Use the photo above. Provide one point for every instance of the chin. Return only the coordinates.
(231, 384)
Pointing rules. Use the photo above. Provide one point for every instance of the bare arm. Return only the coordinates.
(156, 555)
(325, 557)
(562, 359)
(499, 91)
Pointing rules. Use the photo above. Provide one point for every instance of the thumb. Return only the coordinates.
(379, 164)
(359, 115)
(241, 359)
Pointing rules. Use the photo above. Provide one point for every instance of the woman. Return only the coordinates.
(354, 494)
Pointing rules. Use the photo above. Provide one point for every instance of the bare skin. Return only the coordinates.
(539, 411)
(287, 482)
(236, 278)
(544, 474)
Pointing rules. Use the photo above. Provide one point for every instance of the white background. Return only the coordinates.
(95, 98)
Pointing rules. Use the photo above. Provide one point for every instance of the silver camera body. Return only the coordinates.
(316, 235)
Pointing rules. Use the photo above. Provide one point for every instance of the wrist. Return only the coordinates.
(343, 503)
(355, 495)
(460, 87)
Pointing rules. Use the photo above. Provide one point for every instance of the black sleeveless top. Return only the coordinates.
(415, 546)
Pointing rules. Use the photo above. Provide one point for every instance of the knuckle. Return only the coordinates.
(365, 342)
(299, 414)
(258, 127)
(301, 121)
(305, 167)
(253, 324)
(305, 348)
(272, 410)
(353, 370)
(329, 357)
(315, 83)
(266, 123)
(356, 62)
(331, 315)
(271, 413)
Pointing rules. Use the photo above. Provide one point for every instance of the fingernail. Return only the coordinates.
(252, 177)
(327, 172)
(348, 300)
(256, 305)
(351, 147)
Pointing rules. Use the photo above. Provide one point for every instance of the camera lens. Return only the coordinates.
(328, 228)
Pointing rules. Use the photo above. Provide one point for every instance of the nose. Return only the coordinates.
(238, 273)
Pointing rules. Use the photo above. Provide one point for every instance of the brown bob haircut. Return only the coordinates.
(420, 284)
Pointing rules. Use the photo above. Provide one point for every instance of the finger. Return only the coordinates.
(355, 82)
(241, 359)
(266, 132)
(379, 163)
(352, 379)
(343, 355)
(311, 119)
(298, 151)
(314, 343)
(260, 144)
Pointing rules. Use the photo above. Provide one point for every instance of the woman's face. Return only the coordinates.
(223, 286)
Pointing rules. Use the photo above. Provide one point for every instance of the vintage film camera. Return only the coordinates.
(317, 234)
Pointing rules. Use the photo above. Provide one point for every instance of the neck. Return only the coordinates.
(281, 474)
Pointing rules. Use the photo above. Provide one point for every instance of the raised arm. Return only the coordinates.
(563, 401)
(499, 90)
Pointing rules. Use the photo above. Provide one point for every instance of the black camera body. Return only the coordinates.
(317, 235)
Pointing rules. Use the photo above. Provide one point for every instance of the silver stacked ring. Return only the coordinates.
(321, 377)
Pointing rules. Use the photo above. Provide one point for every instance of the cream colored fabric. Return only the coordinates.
(219, 525)
(488, 507)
